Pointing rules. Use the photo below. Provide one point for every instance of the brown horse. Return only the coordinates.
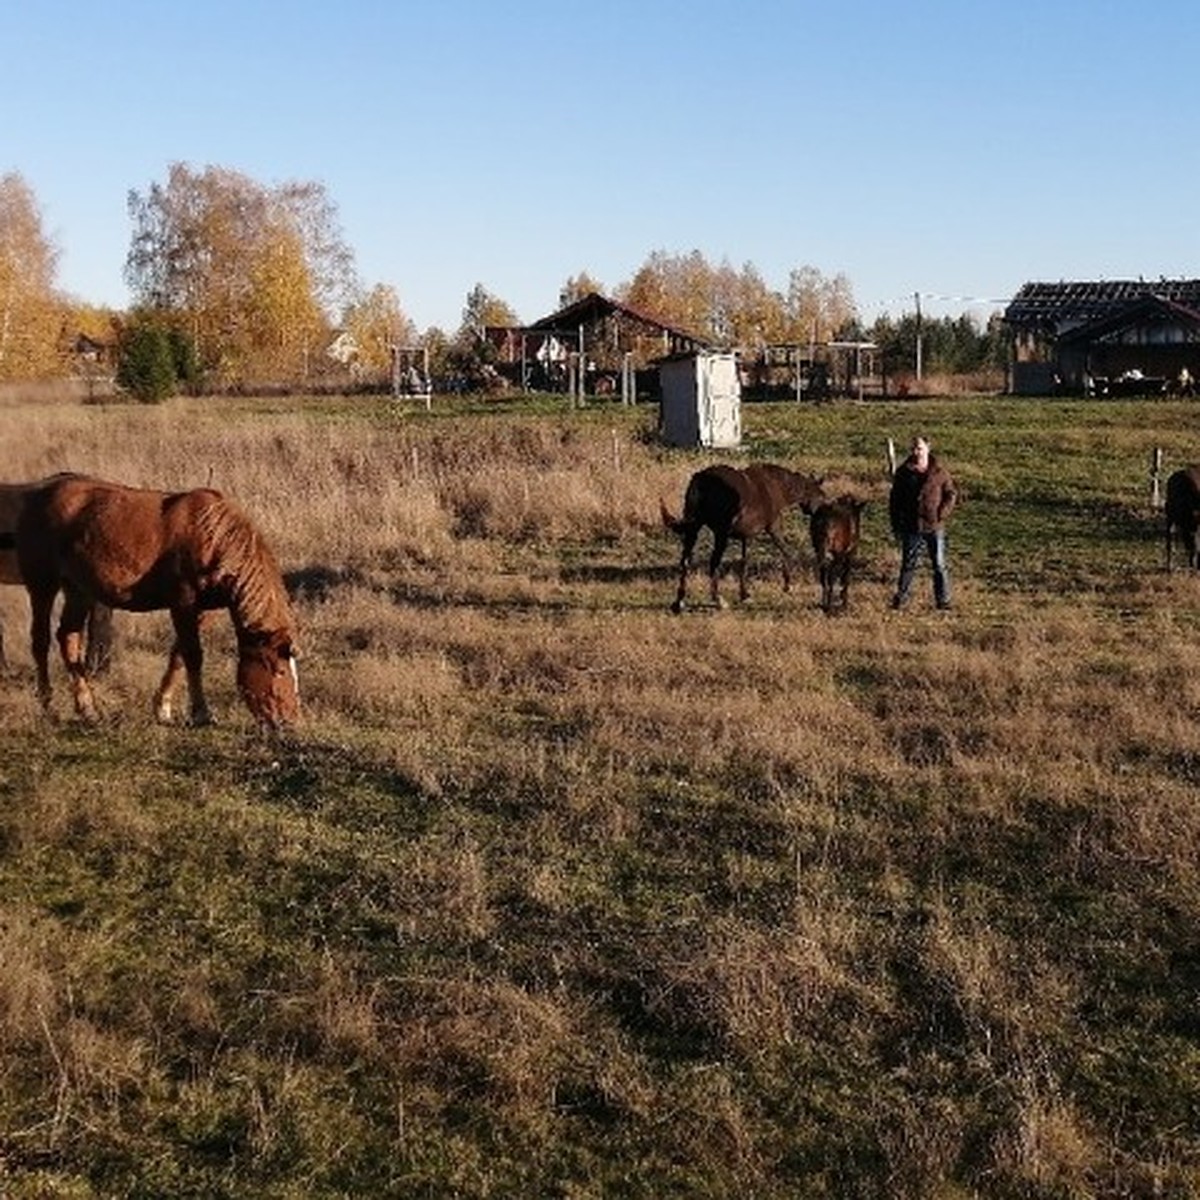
(834, 528)
(738, 503)
(1183, 512)
(189, 552)
(99, 619)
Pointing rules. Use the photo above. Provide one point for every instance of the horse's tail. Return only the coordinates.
(673, 523)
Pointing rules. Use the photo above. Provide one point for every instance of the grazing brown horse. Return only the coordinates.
(131, 548)
(1183, 512)
(99, 619)
(834, 528)
(740, 503)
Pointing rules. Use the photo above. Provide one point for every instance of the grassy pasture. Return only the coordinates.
(555, 894)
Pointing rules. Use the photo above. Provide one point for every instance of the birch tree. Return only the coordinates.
(252, 274)
(377, 323)
(30, 311)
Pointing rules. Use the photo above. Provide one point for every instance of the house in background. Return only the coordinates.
(1118, 337)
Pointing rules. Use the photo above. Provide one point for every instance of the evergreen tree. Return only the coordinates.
(145, 364)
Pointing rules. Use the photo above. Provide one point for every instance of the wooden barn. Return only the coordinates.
(1118, 337)
(594, 346)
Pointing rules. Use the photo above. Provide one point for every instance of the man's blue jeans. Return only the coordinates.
(911, 547)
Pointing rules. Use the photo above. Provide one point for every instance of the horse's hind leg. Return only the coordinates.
(70, 644)
(41, 605)
(825, 574)
(690, 534)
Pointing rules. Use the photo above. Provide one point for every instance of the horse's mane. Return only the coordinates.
(258, 597)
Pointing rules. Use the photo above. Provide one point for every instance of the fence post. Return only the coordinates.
(1156, 462)
(891, 456)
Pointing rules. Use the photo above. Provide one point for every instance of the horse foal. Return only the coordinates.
(834, 527)
(1183, 512)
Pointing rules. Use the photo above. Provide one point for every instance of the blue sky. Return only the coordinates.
(954, 150)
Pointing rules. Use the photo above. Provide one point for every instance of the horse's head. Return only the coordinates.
(807, 492)
(267, 678)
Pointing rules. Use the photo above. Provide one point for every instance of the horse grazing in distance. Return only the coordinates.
(99, 618)
(834, 528)
(739, 503)
(1183, 512)
(141, 550)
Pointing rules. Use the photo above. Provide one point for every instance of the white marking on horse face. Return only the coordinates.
(295, 675)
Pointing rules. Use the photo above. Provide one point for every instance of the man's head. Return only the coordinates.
(920, 451)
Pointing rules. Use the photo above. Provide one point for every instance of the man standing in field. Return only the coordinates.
(922, 499)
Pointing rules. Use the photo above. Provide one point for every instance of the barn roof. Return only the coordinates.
(1145, 311)
(594, 306)
(1057, 307)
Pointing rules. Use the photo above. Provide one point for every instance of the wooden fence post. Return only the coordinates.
(1156, 462)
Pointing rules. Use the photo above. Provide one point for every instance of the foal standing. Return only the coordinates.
(1183, 512)
(834, 528)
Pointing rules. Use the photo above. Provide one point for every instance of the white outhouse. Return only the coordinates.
(701, 400)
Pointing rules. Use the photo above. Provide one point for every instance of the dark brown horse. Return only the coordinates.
(834, 528)
(1183, 512)
(99, 619)
(738, 503)
(189, 552)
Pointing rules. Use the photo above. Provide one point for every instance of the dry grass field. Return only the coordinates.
(555, 894)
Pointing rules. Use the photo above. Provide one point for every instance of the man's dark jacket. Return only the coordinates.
(920, 503)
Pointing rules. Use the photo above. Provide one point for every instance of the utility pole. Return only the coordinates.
(917, 298)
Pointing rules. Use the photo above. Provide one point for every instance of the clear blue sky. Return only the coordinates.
(955, 149)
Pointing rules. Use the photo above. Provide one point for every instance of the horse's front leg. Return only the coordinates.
(785, 556)
(186, 656)
(743, 590)
(70, 643)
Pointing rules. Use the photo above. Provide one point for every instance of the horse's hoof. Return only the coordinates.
(677, 607)
(202, 719)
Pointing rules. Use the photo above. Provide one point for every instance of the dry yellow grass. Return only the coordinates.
(551, 886)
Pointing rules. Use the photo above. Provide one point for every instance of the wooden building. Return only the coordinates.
(1120, 337)
(595, 345)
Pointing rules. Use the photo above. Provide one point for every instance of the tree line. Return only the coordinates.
(236, 284)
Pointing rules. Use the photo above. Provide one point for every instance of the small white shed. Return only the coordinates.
(701, 400)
